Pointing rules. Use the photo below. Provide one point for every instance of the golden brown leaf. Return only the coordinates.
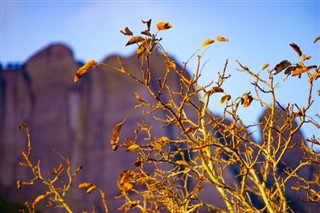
(148, 23)
(296, 48)
(207, 42)
(214, 90)
(84, 70)
(140, 50)
(115, 136)
(281, 66)
(85, 185)
(134, 40)
(316, 39)
(264, 66)
(222, 39)
(146, 32)
(289, 70)
(247, 99)
(301, 70)
(304, 57)
(225, 98)
(91, 188)
(126, 31)
(143, 47)
(164, 25)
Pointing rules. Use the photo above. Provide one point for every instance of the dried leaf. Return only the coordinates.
(89, 187)
(164, 25)
(246, 100)
(314, 76)
(144, 46)
(308, 57)
(296, 48)
(140, 50)
(222, 39)
(301, 70)
(84, 70)
(37, 200)
(84, 185)
(316, 39)
(281, 66)
(264, 66)
(115, 137)
(146, 32)
(148, 23)
(126, 31)
(134, 40)
(214, 90)
(207, 42)
(225, 98)
(133, 148)
(304, 57)
(289, 70)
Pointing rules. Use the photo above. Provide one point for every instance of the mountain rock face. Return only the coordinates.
(75, 121)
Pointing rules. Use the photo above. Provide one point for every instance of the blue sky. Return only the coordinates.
(259, 32)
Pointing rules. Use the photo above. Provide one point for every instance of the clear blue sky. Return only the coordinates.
(259, 33)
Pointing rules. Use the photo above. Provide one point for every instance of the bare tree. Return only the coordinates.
(174, 174)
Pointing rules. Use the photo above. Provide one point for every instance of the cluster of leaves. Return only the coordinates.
(299, 68)
(171, 174)
(149, 42)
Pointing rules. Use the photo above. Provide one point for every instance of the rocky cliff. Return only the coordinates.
(76, 120)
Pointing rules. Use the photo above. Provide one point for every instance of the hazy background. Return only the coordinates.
(259, 33)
